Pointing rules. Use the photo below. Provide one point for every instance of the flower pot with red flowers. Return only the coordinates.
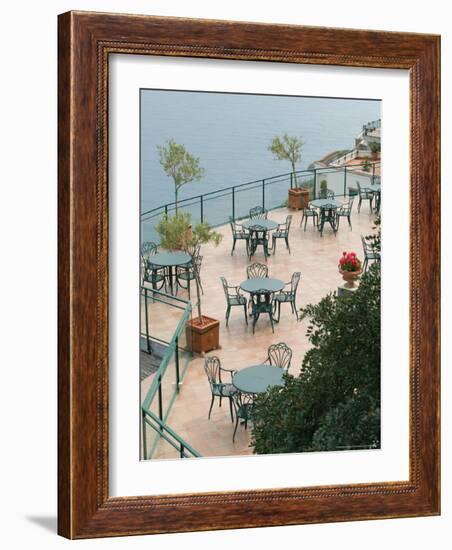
(350, 268)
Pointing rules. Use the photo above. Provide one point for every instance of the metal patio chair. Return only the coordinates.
(370, 254)
(218, 388)
(238, 234)
(279, 355)
(243, 404)
(288, 296)
(309, 212)
(258, 213)
(233, 298)
(345, 211)
(282, 232)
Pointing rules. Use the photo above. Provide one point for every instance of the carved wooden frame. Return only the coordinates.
(85, 42)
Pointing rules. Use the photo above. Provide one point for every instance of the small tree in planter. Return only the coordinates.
(323, 189)
(176, 232)
(289, 148)
(179, 165)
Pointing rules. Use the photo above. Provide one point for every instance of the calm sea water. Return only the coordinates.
(230, 133)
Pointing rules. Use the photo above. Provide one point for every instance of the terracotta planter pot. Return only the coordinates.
(298, 198)
(350, 277)
(203, 334)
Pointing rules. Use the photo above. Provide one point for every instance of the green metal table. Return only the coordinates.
(256, 226)
(375, 189)
(327, 209)
(260, 290)
(269, 225)
(258, 378)
(169, 260)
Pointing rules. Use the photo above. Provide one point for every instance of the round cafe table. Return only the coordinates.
(262, 283)
(169, 260)
(269, 225)
(327, 209)
(258, 378)
(258, 288)
(258, 233)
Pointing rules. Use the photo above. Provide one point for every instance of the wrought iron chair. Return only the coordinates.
(345, 211)
(238, 234)
(218, 388)
(184, 275)
(279, 355)
(364, 195)
(256, 271)
(288, 296)
(148, 249)
(243, 405)
(234, 298)
(258, 213)
(370, 254)
(262, 302)
(309, 212)
(282, 232)
(258, 237)
(151, 273)
(376, 200)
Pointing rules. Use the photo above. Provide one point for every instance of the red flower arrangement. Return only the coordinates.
(349, 262)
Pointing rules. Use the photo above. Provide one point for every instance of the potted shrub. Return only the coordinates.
(177, 233)
(366, 164)
(375, 149)
(323, 189)
(298, 198)
(289, 148)
(174, 231)
(202, 332)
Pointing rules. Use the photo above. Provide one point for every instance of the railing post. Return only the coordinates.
(160, 402)
(146, 315)
(176, 358)
(233, 203)
(166, 210)
(182, 449)
(202, 209)
(315, 183)
(263, 194)
(373, 173)
(143, 427)
(345, 181)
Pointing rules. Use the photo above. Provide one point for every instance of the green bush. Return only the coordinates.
(334, 402)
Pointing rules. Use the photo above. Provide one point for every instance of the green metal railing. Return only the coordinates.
(165, 385)
(235, 201)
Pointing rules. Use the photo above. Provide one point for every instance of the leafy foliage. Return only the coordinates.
(323, 189)
(366, 164)
(375, 147)
(287, 148)
(334, 403)
(176, 233)
(179, 165)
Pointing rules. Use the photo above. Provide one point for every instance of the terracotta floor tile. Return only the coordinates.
(316, 258)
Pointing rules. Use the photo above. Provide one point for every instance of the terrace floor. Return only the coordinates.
(316, 258)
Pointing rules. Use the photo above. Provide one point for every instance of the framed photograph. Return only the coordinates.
(248, 275)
